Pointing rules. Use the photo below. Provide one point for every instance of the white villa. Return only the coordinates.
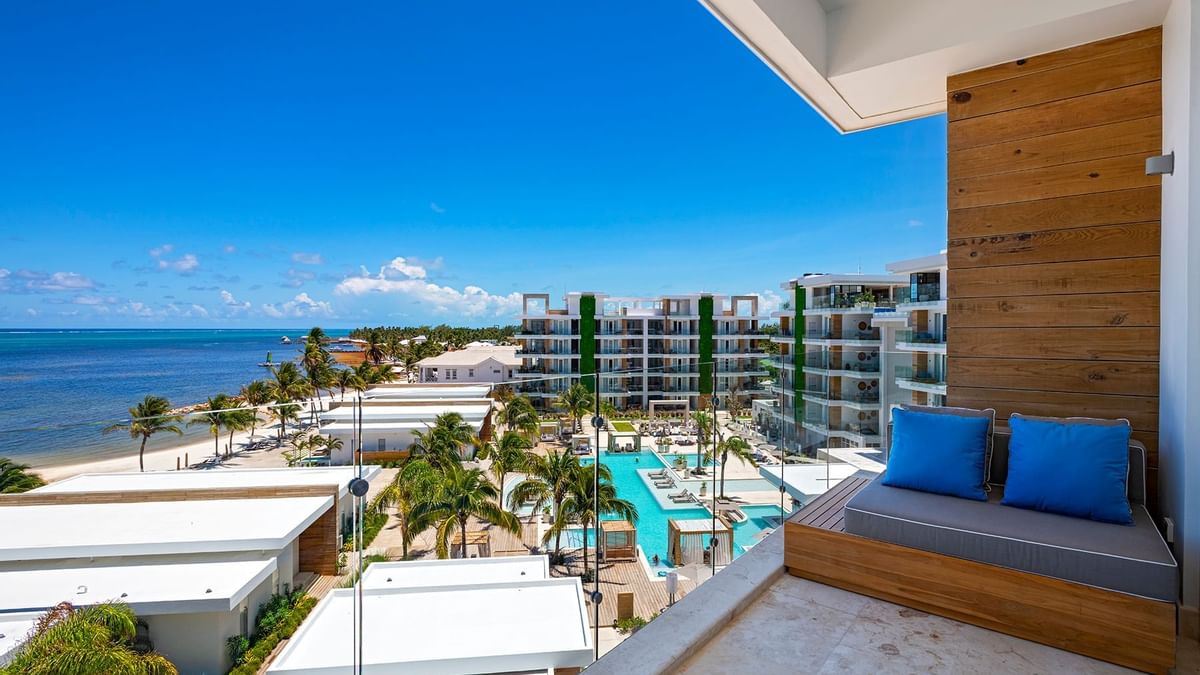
(194, 553)
(478, 362)
(674, 348)
(441, 617)
(387, 424)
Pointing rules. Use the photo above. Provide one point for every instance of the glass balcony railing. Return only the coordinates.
(921, 293)
(916, 376)
(920, 337)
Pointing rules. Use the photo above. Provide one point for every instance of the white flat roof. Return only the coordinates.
(928, 263)
(482, 628)
(804, 481)
(13, 629)
(417, 425)
(215, 478)
(43, 532)
(400, 412)
(428, 393)
(818, 280)
(147, 589)
(452, 572)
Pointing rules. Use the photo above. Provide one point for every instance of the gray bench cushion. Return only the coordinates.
(1127, 558)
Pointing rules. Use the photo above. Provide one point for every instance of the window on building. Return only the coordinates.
(451, 374)
(381, 444)
(244, 621)
(470, 372)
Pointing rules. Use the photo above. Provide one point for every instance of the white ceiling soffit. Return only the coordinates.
(867, 63)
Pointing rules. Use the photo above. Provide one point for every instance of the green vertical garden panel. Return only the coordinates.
(798, 355)
(587, 341)
(706, 345)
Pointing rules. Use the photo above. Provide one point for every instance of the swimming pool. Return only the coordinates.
(652, 517)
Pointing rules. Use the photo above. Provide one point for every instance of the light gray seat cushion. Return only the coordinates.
(1126, 558)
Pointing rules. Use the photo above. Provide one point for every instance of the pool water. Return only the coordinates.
(652, 518)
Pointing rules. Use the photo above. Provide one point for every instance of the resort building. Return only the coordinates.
(1071, 264)
(829, 360)
(913, 352)
(675, 348)
(400, 393)
(478, 362)
(474, 615)
(194, 553)
(388, 425)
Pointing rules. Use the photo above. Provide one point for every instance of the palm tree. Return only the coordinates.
(548, 479)
(577, 400)
(383, 373)
(375, 348)
(288, 386)
(580, 505)
(283, 414)
(519, 414)
(150, 416)
(86, 641)
(703, 432)
(215, 418)
(15, 478)
(344, 379)
(734, 403)
(256, 394)
(503, 393)
(417, 481)
(510, 454)
(239, 420)
(462, 495)
(316, 335)
(739, 448)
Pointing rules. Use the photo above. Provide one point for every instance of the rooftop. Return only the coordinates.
(412, 411)
(430, 573)
(817, 280)
(149, 589)
(471, 356)
(43, 532)
(225, 478)
(427, 392)
(448, 628)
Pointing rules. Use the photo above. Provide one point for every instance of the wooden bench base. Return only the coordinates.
(1116, 627)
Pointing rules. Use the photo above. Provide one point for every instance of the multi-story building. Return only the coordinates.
(642, 349)
(829, 360)
(913, 354)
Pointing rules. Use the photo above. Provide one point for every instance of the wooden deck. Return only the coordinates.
(825, 512)
(649, 595)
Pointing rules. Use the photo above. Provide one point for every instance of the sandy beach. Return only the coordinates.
(193, 455)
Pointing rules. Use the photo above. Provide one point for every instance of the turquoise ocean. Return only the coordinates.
(60, 388)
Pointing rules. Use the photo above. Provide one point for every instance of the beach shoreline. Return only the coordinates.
(194, 454)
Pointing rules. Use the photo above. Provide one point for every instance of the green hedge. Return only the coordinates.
(374, 521)
(706, 344)
(587, 341)
(262, 648)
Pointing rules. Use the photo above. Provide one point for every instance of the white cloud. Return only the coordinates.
(33, 281)
(135, 308)
(404, 277)
(300, 306)
(296, 278)
(94, 300)
(913, 222)
(769, 301)
(232, 303)
(229, 248)
(31, 311)
(184, 265)
(160, 251)
(307, 258)
(199, 310)
(433, 206)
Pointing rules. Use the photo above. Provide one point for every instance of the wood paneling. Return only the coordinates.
(1102, 208)
(1109, 107)
(1082, 243)
(1104, 377)
(1098, 175)
(318, 545)
(1053, 228)
(1064, 57)
(1099, 276)
(1023, 311)
(1116, 71)
(1113, 140)
(1115, 627)
(1095, 344)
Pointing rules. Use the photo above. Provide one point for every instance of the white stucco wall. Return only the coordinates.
(1179, 377)
(195, 643)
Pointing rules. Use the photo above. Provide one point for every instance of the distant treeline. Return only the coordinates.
(451, 336)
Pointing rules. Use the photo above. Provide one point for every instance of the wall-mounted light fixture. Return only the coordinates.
(1161, 165)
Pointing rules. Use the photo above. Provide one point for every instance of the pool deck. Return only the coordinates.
(649, 595)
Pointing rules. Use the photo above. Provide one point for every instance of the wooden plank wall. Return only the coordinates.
(319, 545)
(1054, 234)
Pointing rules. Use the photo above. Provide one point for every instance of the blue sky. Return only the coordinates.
(288, 164)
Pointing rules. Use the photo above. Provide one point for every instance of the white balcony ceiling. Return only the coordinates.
(867, 63)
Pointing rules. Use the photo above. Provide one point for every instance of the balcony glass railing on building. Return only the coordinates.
(929, 292)
(916, 337)
(866, 303)
(920, 376)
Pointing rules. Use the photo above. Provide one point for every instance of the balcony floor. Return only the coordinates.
(798, 626)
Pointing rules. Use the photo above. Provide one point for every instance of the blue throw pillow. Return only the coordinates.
(1075, 467)
(944, 454)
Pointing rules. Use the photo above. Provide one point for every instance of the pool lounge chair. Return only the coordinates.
(660, 473)
(664, 484)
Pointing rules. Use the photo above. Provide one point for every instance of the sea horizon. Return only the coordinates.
(59, 387)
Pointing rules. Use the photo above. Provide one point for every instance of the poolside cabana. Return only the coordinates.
(687, 539)
(618, 540)
(581, 444)
(549, 431)
(624, 441)
(480, 539)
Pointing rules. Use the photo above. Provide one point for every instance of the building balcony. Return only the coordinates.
(926, 295)
(915, 380)
(911, 340)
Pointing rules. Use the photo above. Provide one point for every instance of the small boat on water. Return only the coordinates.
(285, 340)
(267, 363)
